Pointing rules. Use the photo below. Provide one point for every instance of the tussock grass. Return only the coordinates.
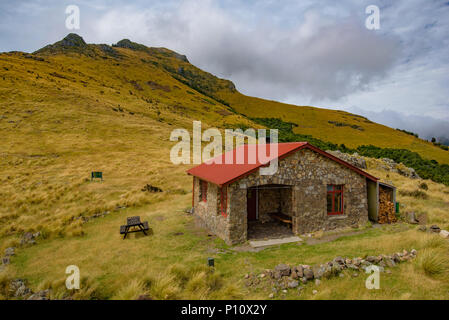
(433, 262)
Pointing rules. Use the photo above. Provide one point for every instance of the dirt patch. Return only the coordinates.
(198, 230)
(224, 113)
(268, 230)
(157, 86)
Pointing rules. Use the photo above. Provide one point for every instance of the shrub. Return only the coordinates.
(423, 186)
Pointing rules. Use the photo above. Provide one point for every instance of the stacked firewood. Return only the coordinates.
(386, 208)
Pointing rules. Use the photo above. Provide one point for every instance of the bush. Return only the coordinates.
(423, 186)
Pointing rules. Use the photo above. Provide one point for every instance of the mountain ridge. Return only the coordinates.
(173, 70)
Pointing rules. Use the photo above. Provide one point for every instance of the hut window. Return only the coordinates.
(203, 191)
(224, 201)
(334, 199)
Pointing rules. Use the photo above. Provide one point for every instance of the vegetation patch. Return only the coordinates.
(342, 124)
(415, 194)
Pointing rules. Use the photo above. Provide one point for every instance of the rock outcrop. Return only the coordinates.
(354, 159)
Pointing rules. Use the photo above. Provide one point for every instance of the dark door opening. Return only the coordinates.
(251, 198)
(269, 211)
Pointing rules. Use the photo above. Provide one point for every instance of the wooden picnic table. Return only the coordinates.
(133, 224)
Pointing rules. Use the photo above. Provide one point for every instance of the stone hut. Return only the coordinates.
(311, 190)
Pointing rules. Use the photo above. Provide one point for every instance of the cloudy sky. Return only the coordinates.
(304, 52)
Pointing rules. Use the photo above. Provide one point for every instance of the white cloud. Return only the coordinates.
(319, 56)
(303, 52)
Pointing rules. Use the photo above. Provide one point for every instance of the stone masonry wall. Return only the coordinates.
(274, 200)
(308, 173)
(207, 213)
(269, 201)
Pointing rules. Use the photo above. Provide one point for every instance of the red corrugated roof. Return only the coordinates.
(222, 173)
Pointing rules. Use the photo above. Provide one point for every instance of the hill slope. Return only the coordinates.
(71, 108)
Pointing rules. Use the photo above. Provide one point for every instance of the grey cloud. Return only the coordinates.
(319, 57)
(303, 52)
(426, 127)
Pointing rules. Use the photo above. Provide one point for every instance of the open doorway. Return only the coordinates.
(269, 211)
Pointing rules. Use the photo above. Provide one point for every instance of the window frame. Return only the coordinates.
(334, 192)
(203, 191)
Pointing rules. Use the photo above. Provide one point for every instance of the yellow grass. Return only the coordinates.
(56, 130)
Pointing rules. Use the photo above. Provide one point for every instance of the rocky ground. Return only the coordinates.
(382, 164)
(284, 277)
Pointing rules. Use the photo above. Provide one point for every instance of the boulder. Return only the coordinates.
(396, 258)
(293, 284)
(308, 274)
(300, 271)
(294, 275)
(9, 251)
(283, 269)
(27, 236)
(19, 288)
(327, 271)
(372, 259)
(339, 260)
(389, 262)
(353, 159)
(336, 268)
(41, 295)
(422, 228)
(318, 272)
(435, 229)
(352, 266)
(411, 217)
(444, 234)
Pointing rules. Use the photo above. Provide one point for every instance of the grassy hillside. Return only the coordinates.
(72, 108)
(335, 126)
(171, 263)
